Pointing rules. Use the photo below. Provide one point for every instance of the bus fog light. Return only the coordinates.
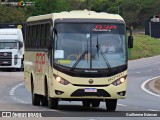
(58, 92)
(122, 93)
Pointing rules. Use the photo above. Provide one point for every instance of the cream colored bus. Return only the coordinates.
(76, 56)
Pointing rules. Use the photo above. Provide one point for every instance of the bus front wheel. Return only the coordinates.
(111, 104)
(52, 103)
(95, 103)
(86, 103)
(35, 97)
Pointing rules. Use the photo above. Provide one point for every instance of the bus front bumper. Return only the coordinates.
(83, 92)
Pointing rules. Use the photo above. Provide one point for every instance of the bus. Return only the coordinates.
(76, 56)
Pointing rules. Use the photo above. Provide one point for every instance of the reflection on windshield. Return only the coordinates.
(76, 39)
(8, 45)
(112, 47)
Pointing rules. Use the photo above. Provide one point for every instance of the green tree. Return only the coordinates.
(80, 4)
(47, 6)
(11, 14)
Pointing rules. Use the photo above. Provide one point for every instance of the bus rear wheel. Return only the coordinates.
(52, 103)
(44, 101)
(111, 104)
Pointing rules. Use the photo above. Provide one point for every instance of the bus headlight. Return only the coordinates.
(119, 81)
(62, 81)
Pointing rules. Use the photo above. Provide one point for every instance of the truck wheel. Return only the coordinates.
(52, 103)
(95, 103)
(111, 104)
(22, 65)
(35, 97)
(86, 103)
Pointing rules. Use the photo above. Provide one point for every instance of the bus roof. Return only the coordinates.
(76, 14)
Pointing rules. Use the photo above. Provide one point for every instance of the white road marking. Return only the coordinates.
(12, 95)
(14, 88)
(152, 110)
(144, 89)
(121, 105)
(12, 91)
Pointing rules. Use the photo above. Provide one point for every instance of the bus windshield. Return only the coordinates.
(90, 46)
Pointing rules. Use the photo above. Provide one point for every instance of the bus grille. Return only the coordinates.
(5, 58)
(99, 93)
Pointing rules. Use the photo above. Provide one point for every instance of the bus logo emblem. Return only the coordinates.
(5, 54)
(90, 81)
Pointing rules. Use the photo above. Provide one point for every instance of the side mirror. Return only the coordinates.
(20, 45)
(130, 41)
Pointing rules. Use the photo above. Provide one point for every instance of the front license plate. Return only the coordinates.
(5, 62)
(90, 90)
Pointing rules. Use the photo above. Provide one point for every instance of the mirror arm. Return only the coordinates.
(130, 30)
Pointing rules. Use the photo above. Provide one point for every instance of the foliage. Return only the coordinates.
(134, 12)
(11, 14)
(144, 46)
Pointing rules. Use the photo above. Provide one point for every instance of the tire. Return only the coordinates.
(52, 103)
(111, 104)
(44, 101)
(35, 97)
(86, 103)
(95, 103)
(22, 65)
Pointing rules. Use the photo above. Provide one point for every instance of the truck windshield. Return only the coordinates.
(8, 45)
(104, 44)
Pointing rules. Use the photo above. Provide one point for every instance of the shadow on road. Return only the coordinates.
(78, 108)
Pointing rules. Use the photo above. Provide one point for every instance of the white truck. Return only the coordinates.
(11, 49)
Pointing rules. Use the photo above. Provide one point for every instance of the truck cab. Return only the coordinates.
(11, 49)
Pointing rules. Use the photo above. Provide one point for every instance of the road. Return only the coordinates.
(13, 95)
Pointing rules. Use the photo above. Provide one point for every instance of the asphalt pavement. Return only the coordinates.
(13, 95)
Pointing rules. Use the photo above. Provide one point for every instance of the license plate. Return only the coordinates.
(90, 90)
(5, 62)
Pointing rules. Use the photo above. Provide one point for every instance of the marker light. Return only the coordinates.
(58, 79)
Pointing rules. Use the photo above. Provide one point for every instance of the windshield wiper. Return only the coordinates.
(104, 57)
(79, 59)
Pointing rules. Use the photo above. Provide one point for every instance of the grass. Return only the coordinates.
(144, 46)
